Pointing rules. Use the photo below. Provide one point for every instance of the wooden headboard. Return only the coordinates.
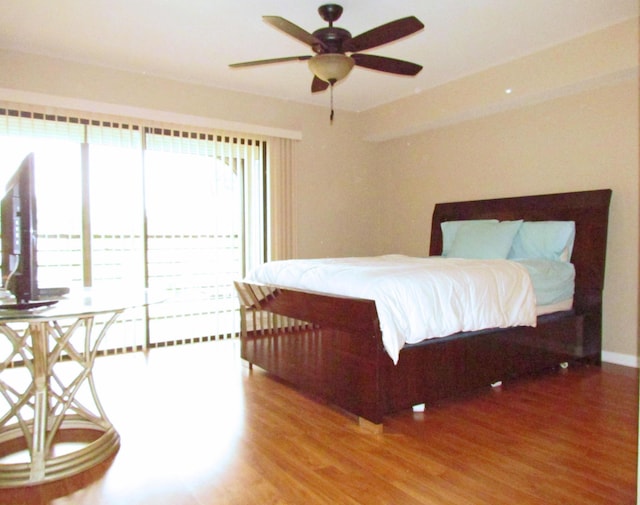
(589, 210)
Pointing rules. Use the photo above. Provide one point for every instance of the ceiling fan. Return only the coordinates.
(331, 45)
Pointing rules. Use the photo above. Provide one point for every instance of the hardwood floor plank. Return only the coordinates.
(198, 428)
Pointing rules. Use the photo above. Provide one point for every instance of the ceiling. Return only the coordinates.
(196, 40)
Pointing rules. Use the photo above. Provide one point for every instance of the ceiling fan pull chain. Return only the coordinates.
(331, 116)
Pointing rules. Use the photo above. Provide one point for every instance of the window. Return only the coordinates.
(126, 206)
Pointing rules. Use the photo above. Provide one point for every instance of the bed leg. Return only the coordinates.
(369, 426)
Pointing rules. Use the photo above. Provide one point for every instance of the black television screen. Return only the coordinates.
(19, 233)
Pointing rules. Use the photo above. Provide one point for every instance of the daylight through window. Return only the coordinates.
(127, 206)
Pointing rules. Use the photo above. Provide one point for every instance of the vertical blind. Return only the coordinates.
(126, 203)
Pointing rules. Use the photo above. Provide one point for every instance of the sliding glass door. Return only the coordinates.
(124, 206)
(194, 243)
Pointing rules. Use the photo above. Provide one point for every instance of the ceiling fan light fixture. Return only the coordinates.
(331, 67)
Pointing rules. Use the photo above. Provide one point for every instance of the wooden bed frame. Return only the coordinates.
(331, 346)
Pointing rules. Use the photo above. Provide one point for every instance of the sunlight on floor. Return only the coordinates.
(169, 419)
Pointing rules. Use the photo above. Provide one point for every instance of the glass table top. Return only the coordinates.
(83, 301)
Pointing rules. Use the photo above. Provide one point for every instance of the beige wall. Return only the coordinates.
(336, 198)
(599, 57)
(367, 184)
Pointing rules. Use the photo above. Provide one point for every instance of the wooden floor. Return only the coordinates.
(198, 427)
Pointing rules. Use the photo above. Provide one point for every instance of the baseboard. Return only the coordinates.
(620, 359)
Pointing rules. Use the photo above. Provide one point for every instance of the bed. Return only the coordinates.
(331, 346)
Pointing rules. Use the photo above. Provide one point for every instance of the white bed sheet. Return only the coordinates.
(417, 298)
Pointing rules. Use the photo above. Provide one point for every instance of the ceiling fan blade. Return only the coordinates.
(383, 34)
(384, 64)
(295, 31)
(272, 60)
(318, 84)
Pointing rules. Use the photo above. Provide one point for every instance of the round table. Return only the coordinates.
(40, 405)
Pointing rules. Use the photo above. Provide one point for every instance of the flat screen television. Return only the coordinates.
(19, 233)
(20, 240)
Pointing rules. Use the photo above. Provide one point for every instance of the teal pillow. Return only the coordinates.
(551, 240)
(484, 240)
(450, 228)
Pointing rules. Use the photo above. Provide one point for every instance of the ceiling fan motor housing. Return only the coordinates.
(332, 39)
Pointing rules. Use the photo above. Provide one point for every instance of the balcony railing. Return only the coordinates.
(196, 272)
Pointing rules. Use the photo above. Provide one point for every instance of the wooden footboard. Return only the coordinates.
(334, 352)
(328, 346)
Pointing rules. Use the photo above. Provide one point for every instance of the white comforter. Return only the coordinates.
(417, 298)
